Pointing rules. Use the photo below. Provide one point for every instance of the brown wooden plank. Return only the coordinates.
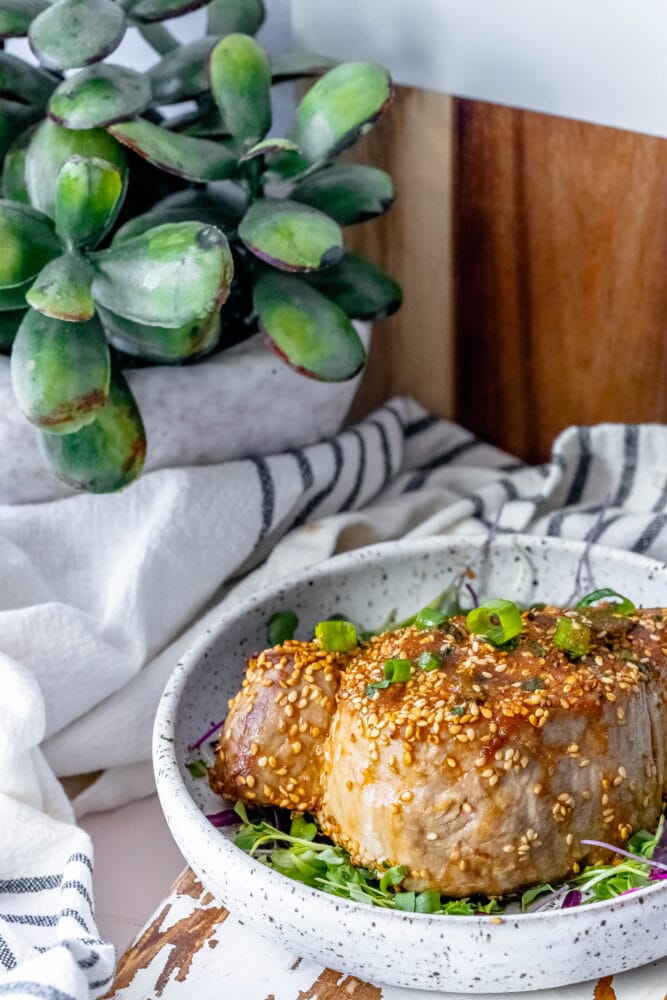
(560, 275)
(412, 351)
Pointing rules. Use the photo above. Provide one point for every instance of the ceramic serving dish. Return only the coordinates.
(463, 954)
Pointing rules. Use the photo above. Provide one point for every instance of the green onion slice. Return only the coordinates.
(623, 607)
(280, 627)
(429, 661)
(336, 636)
(376, 686)
(496, 621)
(197, 768)
(429, 618)
(572, 637)
(397, 670)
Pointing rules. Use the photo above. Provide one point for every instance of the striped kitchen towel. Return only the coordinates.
(100, 596)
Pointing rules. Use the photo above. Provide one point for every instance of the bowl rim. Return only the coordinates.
(175, 796)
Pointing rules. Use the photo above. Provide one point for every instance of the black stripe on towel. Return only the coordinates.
(361, 469)
(630, 449)
(386, 451)
(305, 468)
(581, 474)
(313, 504)
(650, 533)
(7, 959)
(268, 496)
(448, 456)
(35, 883)
(31, 989)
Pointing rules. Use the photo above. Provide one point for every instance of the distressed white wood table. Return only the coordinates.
(193, 949)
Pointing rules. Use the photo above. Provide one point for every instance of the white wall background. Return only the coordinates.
(603, 61)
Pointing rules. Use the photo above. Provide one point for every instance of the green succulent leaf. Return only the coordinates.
(294, 65)
(62, 289)
(28, 242)
(89, 194)
(240, 75)
(168, 276)
(14, 119)
(52, 146)
(73, 33)
(204, 124)
(106, 455)
(60, 371)
(14, 297)
(342, 105)
(99, 96)
(14, 184)
(161, 10)
(183, 73)
(183, 155)
(269, 147)
(20, 80)
(10, 321)
(291, 236)
(221, 208)
(361, 289)
(162, 344)
(348, 192)
(307, 330)
(16, 15)
(228, 16)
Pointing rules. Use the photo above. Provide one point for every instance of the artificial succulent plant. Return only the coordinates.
(126, 234)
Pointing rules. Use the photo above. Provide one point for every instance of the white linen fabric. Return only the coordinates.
(100, 596)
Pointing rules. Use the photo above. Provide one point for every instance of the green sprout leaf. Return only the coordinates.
(349, 192)
(62, 289)
(23, 82)
(182, 73)
(361, 289)
(312, 334)
(28, 242)
(14, 119)
(183, 155)
(240, 75)
(73, 33)
(52, 146)
(106, 455)
(168, 276)
(60, 371)
(341, 106)
(89, 194)
(228, 16)
(99, 96)
(291, 236)
(162, 344)
(16, 16)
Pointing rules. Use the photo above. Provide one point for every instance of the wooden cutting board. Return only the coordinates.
(192, 948)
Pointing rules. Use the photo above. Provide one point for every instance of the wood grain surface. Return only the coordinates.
(560, 273)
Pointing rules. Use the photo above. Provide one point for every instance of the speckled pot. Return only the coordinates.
(239, 402)
(462, 954)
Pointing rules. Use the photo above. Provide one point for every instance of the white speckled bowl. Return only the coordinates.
(462, 954)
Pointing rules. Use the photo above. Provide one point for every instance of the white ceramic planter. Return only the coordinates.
(239, 402)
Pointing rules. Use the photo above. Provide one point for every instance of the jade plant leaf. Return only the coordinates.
(294, 65)
(182, 73)
(14, 297)
(348, 192)
(52, 146)
(168, 276)
(28, 242)
(89, 194)
(213, 208)
(10, 321)
(62, 289)
(73, 33)
(20, 80)
(205, 124)
(362, 289)
(228, 16)
(306, 329)
(99, 96)
(291, 236)
(161, 10)
(16, 15)
(342, 105)
(14, 119)
(268, 147)
(13, 169)
(240, 75)
(60, 371)
(162, 344)
(183, 155)
(106, 455)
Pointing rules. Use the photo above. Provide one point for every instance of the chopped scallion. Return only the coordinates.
(496, 621)
(573, 637)
(280, 627)
(197, 768)
(534, 684)
(429, 661)
(377, 686)
(336, 636)
(429, 618)
(623, 607)
(397, 670)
